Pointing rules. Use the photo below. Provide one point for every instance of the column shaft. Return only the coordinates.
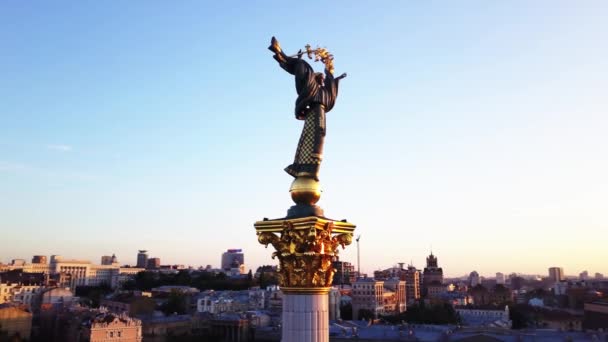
(305, 318)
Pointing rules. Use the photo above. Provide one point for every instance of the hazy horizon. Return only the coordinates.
(477, 129)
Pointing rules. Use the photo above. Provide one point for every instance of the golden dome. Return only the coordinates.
(305, 190)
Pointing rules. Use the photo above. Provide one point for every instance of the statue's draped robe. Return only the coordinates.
(314, 100)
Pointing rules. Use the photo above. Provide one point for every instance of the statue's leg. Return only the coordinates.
(319, 138)
(306, 163)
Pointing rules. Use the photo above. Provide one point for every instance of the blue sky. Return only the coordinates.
(477, 128)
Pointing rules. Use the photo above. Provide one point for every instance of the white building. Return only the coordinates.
(500, 278)
(560, 288)
(20, 288)
(486, 318)
(474, 279)
(72, 273)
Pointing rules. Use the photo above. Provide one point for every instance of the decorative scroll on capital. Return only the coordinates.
(305, 252)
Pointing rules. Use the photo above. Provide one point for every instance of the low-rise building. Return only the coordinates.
(231, 328)
(133, 305)
(111, 327)
(72, 273)
(217, 302)
(483, 317)
(168, 289)
(167, 325)
(18, 287)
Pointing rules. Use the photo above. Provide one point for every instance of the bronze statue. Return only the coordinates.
(316, 96)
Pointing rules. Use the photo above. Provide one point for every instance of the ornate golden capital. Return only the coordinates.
(305, 248)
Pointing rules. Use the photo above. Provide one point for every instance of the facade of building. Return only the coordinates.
(109, 260)
(111, 327)
(411, 276)
(500, 278)
(106, 260)
(142, 259)
(73, 273)
(377, 296)
(398, 295)
(556, 274)
(487, 318)
(432, 275)
(474, 279)
(233, 261)
(153, 264)
(39, 259)
(367, 294)
(21, 288)
(434, 290)
(345, 273)
(174, 325)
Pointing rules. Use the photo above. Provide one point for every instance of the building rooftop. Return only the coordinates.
(22, 278)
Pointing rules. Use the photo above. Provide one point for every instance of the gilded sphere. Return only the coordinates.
(305, 190)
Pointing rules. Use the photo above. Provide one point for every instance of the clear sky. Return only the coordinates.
(477, 127)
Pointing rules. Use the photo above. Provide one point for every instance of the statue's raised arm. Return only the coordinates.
(317, 95)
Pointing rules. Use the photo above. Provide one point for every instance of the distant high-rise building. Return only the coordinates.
(500, 278)
(153, 263)
(474, 279)
(142, 259)
(556, 274)
(106, 260)
(584, 275)
(599, 276)
(432, 275)
(412, 284)
(109, 260)
(39, 259)
(345, 273)
(233, 259)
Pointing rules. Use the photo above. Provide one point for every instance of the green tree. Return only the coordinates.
(93, 294)
(176, 303)
(365, 314)
(346, 311)
(145, 281)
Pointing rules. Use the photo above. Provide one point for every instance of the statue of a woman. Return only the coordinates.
(316, 96)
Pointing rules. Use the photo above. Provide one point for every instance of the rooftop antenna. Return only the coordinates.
(358, 257)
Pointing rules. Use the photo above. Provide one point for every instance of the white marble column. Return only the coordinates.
(305, 317)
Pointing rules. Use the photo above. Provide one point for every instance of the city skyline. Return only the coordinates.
(476, 128)
(491, 274)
